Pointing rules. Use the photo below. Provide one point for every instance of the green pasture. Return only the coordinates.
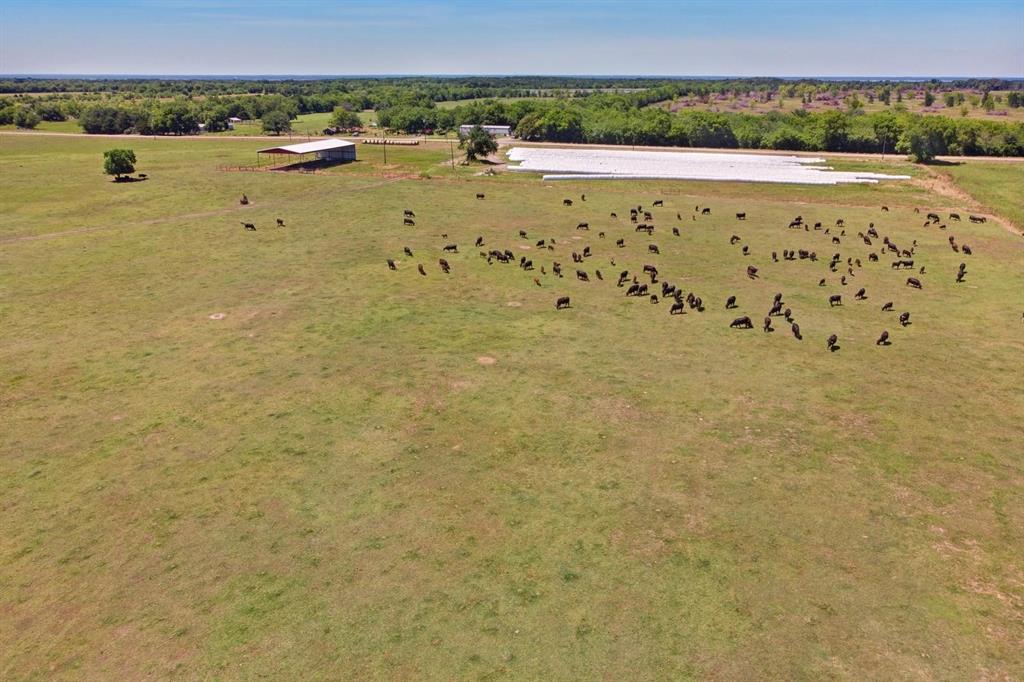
(231, 455)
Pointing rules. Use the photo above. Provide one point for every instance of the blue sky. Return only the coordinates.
(655, 37)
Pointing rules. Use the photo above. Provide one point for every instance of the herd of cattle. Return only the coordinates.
(650, 284)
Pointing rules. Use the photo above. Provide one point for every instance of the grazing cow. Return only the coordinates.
(705, 211)
(562, 302)
(479, 241)
(831, 342)
(904, 319)
(451, 248)
(244, 201)
(648, 216)
(408, 221)
(842, 280)
(967, 250)
(586, 252)
(408, 251)
(977, 218)
(730, 302)
(788, 314)
(479, 195)
(583, 226)
(654, 298)
(599, 276)
(960, 276)
(557, 269)
(742, 323)
(675, 231)
(249, 226)
(934, 217)
(142, 176)
(537, 281)
(741, 216)
(776, 309)
(522, 234)
(817, 226)
(873, 257)
(954, 216)
(913, 282)
(566, 202)
(614, 215)
(641, 290)
(885, 209)
(408, 214)
(796, 331)
(840, 223)
(391, 265)
(777, 298)
(733, 239)
(280, 222)
(795, 224)
(768, 325)
(421, 270)
(746, 250)
(887, 307)
(861, 294)
(678, 308)
(883, 340)
(600, 235)
(751, 272)
(527, 265)
(582, 276)
(834, 300)
(835, 240)
(653, 248)
(632, 290)
(659, 202)
(775, 257)
(620, 243)
(445, 268)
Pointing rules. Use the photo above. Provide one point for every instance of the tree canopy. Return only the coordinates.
(276, 122)
(118, 162)
(478, 143)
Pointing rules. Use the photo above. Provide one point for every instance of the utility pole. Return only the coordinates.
(451, 148)
(385, 151)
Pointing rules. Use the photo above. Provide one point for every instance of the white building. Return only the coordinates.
(494, 131)
(324, 150)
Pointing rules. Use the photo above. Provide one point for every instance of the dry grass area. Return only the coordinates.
(232, 454)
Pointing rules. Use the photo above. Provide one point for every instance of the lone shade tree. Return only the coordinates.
(119, 163)
(276, 122)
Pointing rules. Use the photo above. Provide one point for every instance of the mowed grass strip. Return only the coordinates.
(327, 481)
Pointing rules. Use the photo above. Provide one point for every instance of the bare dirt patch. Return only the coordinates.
(514, 304)
(218, 316)
(486, 360)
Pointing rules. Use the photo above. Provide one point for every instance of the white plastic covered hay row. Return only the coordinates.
(613, 164)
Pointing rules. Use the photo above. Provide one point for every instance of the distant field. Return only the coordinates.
(231, 454)
(996, 185)
(68, 126)
(457, 103)
(915, 105)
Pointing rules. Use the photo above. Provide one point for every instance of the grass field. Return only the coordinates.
(232, 454)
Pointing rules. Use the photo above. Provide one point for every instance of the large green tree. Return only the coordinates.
(478, 143)
(276, 122)
(118, 162)
(345, 119)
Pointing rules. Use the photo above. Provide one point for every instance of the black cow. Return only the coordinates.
(566, 202)
(583, 226)
(742, 323)
(479, 195)
(768, 325)
(582, 276)
(887, 307)
(741, 216)
(444, 266)
(977, 218)
(831, 342)
(904, 319)
(751, 272)
(730, 302)
(653, 248)
(861, 294)
(408, 221)
(883, 340)
(421, 270)
(705, 211)
(659, 202)
(451, 248)
(796, 331)
(280, 222)
(620, 243)
(479, 241)
(562, 302)
(675, 231)
(913, 282)
(408, 214)
(954, 216)
(249, 226)
(835, 300)
(677, 308)
(733, 239)
(391, 265)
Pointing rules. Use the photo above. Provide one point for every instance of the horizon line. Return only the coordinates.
(498, 75)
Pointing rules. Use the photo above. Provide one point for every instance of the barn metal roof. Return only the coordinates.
(308, 147)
